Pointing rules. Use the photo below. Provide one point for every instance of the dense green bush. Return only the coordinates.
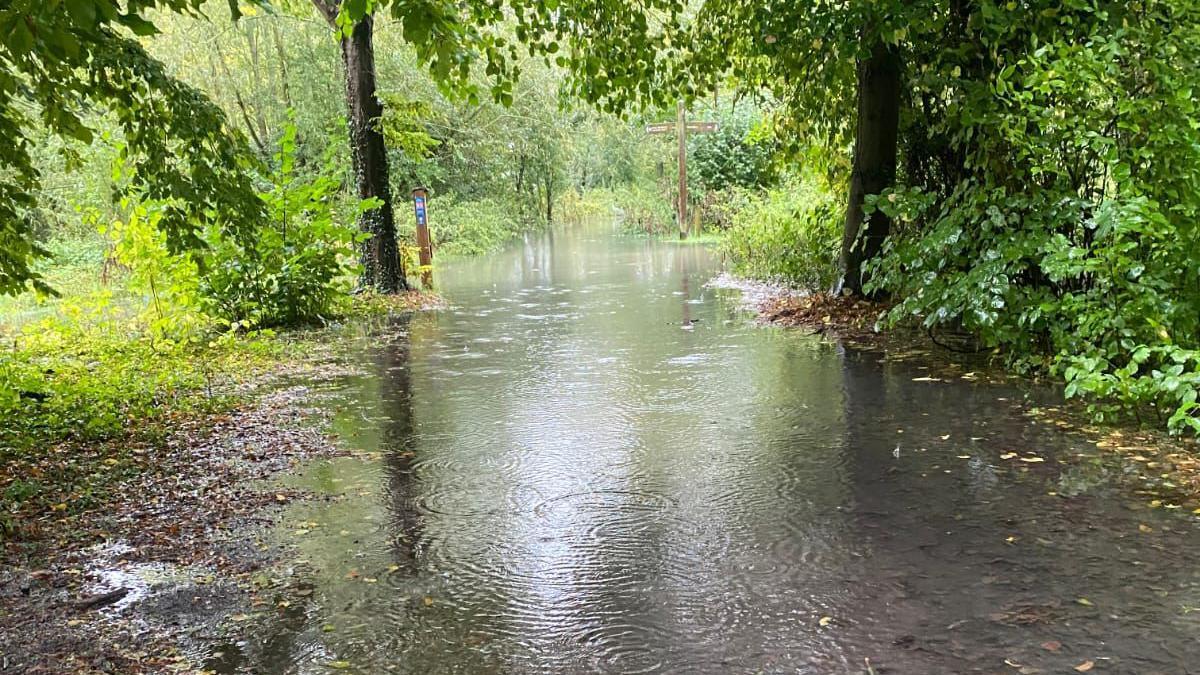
(300, 264)
(737, 154)
(1068, 235)
(790, 233)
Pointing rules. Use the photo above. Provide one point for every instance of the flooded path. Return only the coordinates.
(593, 463)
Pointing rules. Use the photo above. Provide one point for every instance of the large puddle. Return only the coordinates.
(594, 463)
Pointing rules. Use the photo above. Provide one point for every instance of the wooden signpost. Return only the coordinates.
(424, 242)
(681, 128)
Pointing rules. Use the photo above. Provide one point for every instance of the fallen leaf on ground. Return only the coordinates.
(1052, 645)
(825, 621)
(1085, 666)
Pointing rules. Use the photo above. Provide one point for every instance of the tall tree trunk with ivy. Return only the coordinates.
(874, 168)
(382, 268)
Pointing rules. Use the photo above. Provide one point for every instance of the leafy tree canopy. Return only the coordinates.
(65, 61)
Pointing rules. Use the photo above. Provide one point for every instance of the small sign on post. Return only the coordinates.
(424, 242)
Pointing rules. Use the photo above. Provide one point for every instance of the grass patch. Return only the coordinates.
(88, 393)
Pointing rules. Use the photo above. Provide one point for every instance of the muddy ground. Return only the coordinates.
(144, 584)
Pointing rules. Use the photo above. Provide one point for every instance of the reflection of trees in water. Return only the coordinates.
(397, 443)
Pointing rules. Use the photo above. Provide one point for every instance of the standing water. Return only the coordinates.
(594, 463)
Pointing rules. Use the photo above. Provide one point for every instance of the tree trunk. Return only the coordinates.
(382, 268)
(874, 167)
(549, 198)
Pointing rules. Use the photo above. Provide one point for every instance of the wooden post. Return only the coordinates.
(681, 130)
(424, 242)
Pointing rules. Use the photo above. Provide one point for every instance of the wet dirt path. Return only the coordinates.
(592, 462)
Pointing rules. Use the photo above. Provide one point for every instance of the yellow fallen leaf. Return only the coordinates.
(1145, 528)
(946, 437)
(339, 665)
(1032, 460)
(1085, 666)
(825, 621)
(1008, 455)
(428, 601)
(1085, 602)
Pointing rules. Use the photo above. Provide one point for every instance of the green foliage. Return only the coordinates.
(642, 210)
(295, 269)
(168, 281)
(298, 266)
(54, 62)
(83, 390)
(585, 206)
(1051, 205)
(406, 127)
(737, 154)
(471, 227)
(790, 233)
(612, 49)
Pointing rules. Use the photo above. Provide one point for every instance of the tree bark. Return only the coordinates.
(874, 168)
(382, 268)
